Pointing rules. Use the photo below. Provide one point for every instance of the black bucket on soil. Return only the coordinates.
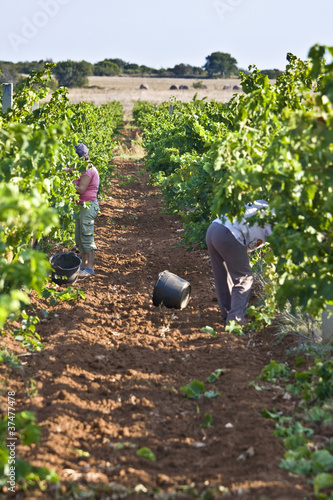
(65, 268)
(171, 290)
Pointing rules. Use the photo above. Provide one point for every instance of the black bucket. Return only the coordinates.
(65, 268)
(171, 290)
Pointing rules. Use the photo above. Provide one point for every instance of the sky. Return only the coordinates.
(161, 34)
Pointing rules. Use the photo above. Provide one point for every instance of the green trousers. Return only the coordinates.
(84, 228)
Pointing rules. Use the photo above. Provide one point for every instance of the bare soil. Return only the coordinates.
(107, 382)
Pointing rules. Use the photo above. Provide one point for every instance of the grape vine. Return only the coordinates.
(272, 142)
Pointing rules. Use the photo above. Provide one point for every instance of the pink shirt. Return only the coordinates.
(90, 193)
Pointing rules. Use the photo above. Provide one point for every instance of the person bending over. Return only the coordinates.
(228, 246)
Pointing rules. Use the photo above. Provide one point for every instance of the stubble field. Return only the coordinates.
(103, 89)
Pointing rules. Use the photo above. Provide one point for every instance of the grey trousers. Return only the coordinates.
(232, 271)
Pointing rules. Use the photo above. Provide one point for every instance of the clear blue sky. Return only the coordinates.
(160, 33)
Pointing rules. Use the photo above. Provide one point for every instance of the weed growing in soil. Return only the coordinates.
(9, 359)
(208, 421)
(274, 372)
(196, 389)
(31, 388)
(234, 327)
(146, 453)
(69, 294)
(193, 389)
(209, 329)
(303, 432)
(26, 332)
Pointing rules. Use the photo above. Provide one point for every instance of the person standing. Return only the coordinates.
(228, 245)
(87, 187)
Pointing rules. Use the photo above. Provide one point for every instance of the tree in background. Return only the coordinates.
(119, 62)
(132, 68)
(112, 67)
(27, 67)
(73, 74)
(182, 70)
(14, 73)
(8, 73)
(106, 68)
(146, 70)
(197, 71)
(221, 64)
(272, 73)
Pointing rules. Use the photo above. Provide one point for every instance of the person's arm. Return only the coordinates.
(83, 184)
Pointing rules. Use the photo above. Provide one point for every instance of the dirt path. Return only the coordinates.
(108, 380)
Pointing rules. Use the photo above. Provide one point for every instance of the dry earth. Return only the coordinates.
(108, 381)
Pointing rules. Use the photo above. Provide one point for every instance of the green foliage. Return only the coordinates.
(274, 371)
(141, 110)
(315, 384)
(313, 389)
(120, 446)
(199, 85)
(234, 327)
(106, 68)
(96, 127)
(208, 421)
(38, 198)
(272, 73)
(193, 389)
(21, 269)
(196, 389)
(9, 359)
(220, 64)
(28, 433)
(9, 74)
(322, 481)
(31, 90)
(211, 394)
(117, 66)
(72, 73)
(272, 142)
(215, 375)
(186, 70)
(209, 329)
(27, 334)
(81, 453)
(25, 67)
(68, 295)
(262, 316)
(281, 152)
(146, 453)
(178, 152)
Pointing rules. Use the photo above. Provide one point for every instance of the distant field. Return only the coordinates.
(103, 89)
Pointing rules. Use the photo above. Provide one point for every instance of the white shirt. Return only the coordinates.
(253, 236)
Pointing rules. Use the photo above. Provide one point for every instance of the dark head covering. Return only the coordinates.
(82, 150)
